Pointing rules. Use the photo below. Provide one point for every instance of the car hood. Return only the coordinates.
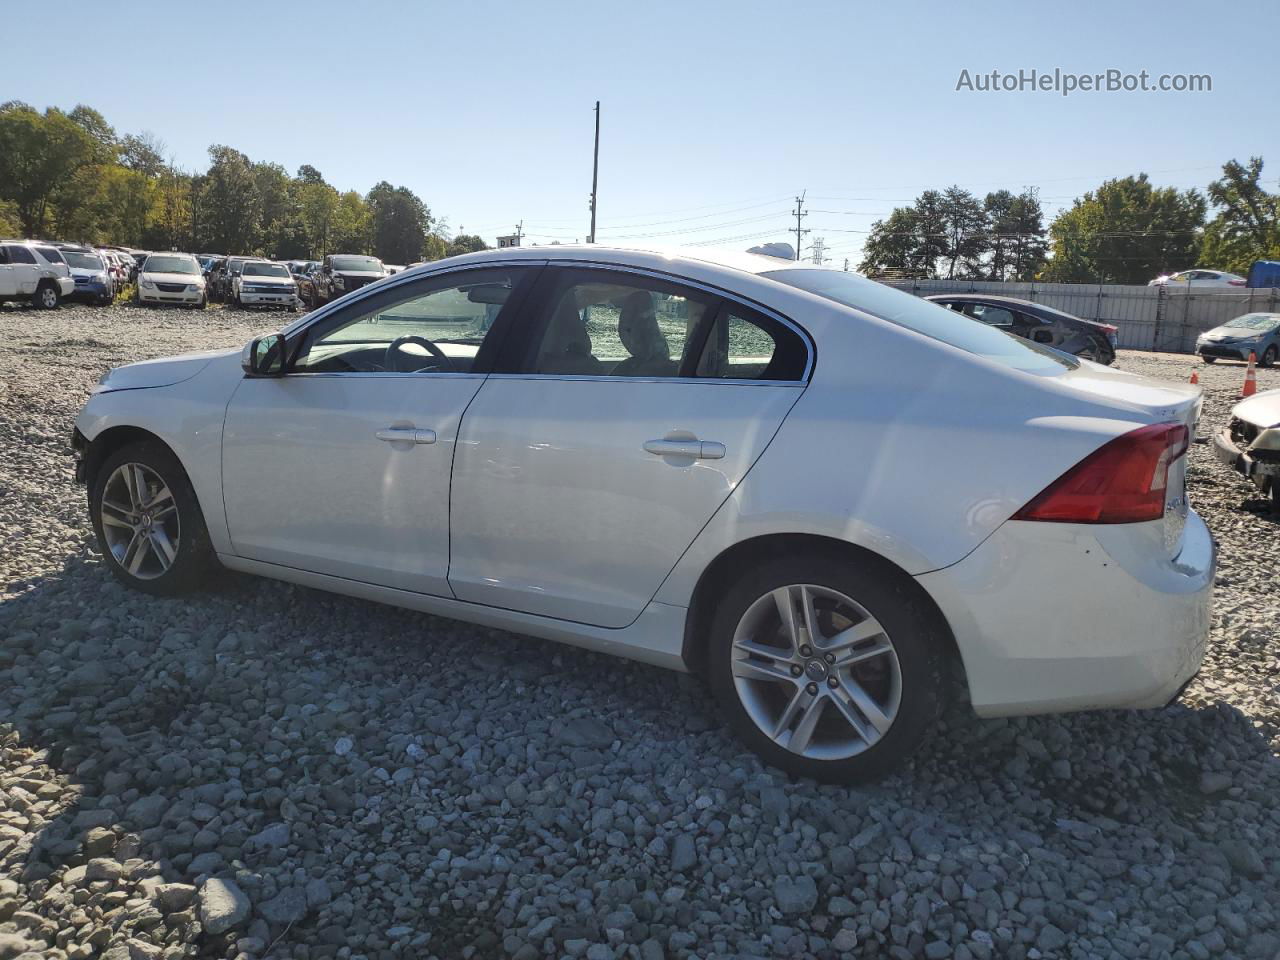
(1262, 409)
(170, 277)
(1233, 333)
(159, 373)
(278, 281)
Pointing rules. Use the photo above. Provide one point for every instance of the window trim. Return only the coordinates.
(723, 296)
(339, 311)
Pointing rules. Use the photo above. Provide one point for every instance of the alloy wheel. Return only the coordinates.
(48, 298)
(140, 521)
(816, 672)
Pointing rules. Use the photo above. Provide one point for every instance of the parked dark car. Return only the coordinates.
(222, 277)
(1038, 323)
(211, 272)
(340, 273)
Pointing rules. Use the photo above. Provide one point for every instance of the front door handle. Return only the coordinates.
(698, 449)
(406, 435)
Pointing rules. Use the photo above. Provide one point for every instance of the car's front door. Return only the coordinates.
(342, 465)
(23, 270)
(623, 412)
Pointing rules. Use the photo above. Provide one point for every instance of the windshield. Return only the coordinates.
(266, 270)
(1261, 322)
(366, 264)
(927, 318)
(161, 264)
(83, 261)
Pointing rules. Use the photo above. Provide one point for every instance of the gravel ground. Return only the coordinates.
(263, 770)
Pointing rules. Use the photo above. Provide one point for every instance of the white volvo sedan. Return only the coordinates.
(830, 498)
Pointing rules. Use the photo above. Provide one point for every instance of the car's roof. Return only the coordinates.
(662, 259)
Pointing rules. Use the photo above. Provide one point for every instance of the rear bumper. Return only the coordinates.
(1055, 617)
(1261, 472)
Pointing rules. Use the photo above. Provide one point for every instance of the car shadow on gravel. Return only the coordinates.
(371, 777)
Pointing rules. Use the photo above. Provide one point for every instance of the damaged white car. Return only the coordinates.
(1250, 443)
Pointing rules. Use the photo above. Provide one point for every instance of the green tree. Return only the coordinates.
(892, 246)
(319, 205)
(1247, 225)
(1016, 235)
(351, 225)
(144, 153)
(39, 155)
(465, 243)
(1126, 231)
(435, 248)
(232, 211)
(964, 224)
(400, 222)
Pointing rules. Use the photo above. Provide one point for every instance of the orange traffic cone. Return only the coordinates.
(1250, 377)
(1195, 376)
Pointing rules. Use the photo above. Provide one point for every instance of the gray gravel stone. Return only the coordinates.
(222, 905)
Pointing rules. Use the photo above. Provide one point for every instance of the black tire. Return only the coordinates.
(1208, 359)
(203, 304)
(1268, 357)
(918, 641)
(48, 296)
(194, 558)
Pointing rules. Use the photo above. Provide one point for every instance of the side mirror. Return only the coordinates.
(264, 356)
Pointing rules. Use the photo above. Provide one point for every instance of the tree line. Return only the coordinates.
(1127, 230)
(69, 175)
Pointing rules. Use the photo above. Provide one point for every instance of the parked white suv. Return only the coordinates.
(171, 278)
(34, 272)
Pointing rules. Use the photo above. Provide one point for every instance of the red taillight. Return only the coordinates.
(1123, 481)
(1109, 328)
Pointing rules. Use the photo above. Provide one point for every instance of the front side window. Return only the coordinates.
(19, 254)
(435, 326)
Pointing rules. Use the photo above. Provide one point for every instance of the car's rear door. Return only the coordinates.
(342, 466)
(625, 409)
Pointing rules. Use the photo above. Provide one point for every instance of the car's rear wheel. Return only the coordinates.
(1268, 357)
(148, 521)
(1208, 359)
(825, 668)
(48, 296)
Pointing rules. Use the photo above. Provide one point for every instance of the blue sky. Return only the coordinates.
(715, 114)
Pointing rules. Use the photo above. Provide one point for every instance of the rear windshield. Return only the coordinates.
(265, 270)
(83, 261)
(368, 264)
(927, 318)
(1256, 321)
(158, 264)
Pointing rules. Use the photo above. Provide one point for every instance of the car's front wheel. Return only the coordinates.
(826, 668)
(148, 522)
(1268, 357)
(1208, 359)
(48, 296)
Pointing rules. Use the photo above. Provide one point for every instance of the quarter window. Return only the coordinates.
(745, 345)
(437, 325)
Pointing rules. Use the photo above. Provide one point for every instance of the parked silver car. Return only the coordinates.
(1256, 333)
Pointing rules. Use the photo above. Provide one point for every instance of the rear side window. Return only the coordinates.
(51, 254)
(924, 317)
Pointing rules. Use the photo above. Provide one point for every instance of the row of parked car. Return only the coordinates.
(254, 281)
(46, 272)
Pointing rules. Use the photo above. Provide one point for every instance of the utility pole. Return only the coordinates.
(799, 214)
(519, 232)
(846, 264)
(595, 176)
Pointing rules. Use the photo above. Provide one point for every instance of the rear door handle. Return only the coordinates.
(406, 435)
(698, 449)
